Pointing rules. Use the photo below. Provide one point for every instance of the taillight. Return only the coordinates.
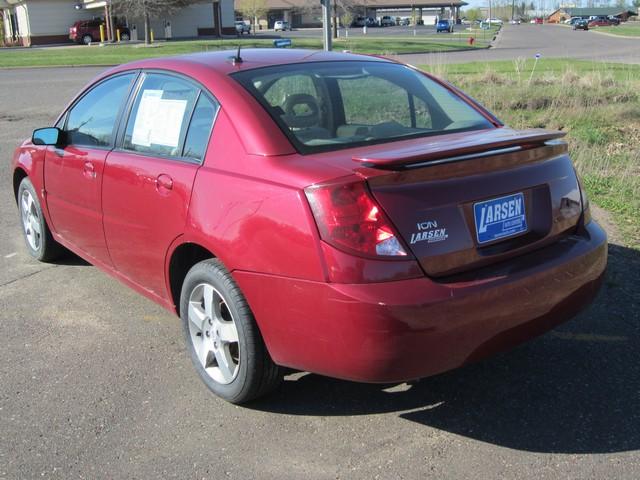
(349, 219)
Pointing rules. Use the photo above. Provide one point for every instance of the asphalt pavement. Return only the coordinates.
(548, 40)
(95, 382)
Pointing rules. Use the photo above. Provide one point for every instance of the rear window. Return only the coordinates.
(333, 105)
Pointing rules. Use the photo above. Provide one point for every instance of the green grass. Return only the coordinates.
(628, 29)
(117, 54)
(597, 104)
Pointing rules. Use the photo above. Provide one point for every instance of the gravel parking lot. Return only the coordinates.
(95, 382)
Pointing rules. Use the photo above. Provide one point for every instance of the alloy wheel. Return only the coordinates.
(30, 220)
(214, 334)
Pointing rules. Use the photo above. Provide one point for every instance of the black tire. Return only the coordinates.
(87, 39)
(46, 248)
(256, 374)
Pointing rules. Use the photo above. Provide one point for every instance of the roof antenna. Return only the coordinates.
(237, 59)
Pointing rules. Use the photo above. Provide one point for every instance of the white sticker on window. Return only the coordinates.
(158, 120)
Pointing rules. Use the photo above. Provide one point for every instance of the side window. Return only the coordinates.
(197, 139)
(91, 121)
(160, 115)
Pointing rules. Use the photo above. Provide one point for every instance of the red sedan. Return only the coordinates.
(335, 213)
(600, 22)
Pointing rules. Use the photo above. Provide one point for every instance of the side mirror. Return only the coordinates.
(47, 136)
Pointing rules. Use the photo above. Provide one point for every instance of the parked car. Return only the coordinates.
(581, 24)
(405, 22)
(88, 31)
(614, 20)
(387, 21)
(444, 26)
(281, 26)
(572, 20)
(515, 21)
(242, 27)
(299, 227)
(600, 22)
(495, 21)
(537, 21)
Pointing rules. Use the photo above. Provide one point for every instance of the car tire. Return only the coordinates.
(224, 342)
(124, 37)
(35, 231)
(87, 39)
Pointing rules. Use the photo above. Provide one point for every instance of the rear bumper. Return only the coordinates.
(403, 330)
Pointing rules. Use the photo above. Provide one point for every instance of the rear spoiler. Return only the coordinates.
(432, 149)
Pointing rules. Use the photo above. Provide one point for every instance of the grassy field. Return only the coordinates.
(597, 104)
(628, 29)
(116, 54)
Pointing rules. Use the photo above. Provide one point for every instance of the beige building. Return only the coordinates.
(306, 13)
(37, 22)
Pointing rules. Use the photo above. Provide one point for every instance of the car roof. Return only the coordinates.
(221, 62)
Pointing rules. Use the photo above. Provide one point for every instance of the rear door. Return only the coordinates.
(74, 174)
(148, 179)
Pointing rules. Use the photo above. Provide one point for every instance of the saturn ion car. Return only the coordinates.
(292, 223)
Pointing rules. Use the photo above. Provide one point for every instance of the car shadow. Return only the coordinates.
(68, 258)
(574, 390)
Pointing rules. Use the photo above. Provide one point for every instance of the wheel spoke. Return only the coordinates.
(228, 332)
(29, 202)
(196, 315)
(208, 300)
(203, 352)
(35, 225)
(225, 363)
(25, 205)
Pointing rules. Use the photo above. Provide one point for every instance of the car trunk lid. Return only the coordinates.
(463, 201)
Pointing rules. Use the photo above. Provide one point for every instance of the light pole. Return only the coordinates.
(326, 24)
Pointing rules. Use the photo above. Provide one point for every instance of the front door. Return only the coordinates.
(73, 174)
(147, 183)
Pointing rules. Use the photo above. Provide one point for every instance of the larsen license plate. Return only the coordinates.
(500, 217)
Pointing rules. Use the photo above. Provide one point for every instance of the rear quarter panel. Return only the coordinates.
(250, 210)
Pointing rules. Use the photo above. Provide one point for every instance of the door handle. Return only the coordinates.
(164, 182)
(89, 170)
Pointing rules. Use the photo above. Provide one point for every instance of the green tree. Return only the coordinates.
(473, 14)
(147, 9)
(347, 18)
(252, 9)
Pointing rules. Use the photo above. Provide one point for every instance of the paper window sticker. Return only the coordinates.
(146, 117)
(168, 123)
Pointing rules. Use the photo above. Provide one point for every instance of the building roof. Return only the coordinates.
(293, 4)
(587, 12)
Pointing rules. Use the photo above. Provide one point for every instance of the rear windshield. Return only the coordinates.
(333, 105)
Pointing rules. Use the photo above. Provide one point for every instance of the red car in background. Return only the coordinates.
(601, 22)
(291, 222)
(88, 31)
